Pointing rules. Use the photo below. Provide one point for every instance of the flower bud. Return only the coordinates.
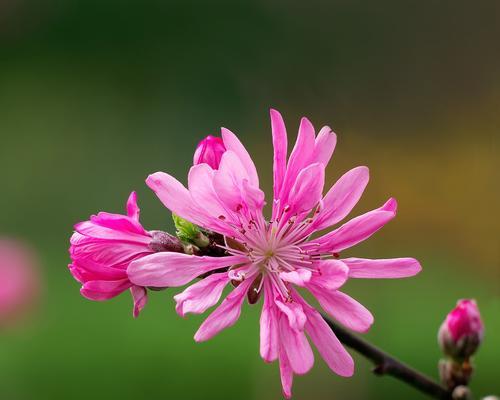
(462, 331)
(209, 151)
(102, 248)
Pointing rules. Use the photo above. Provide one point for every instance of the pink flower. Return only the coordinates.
(272, 258)
(19, 280)
(462, 331)
(101, 250)
(209, 151)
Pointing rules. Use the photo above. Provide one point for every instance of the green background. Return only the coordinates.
(95, 95)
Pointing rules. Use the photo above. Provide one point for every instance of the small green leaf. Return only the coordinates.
(185, 230)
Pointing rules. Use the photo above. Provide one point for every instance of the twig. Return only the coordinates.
(387, 365)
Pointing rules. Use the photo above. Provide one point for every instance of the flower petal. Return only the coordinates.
(307, 189)
(330, 348)
(269, 341)
(383, 268)
(225, 315)
(357, 229)
(286, 373)
(140, 297)
(298, 277)
(299, 158)
(97, 255)
(176, 197)
(92, 272)
(133, 210)
(344, 309)
(167, 269)
(296, 346)
(330, 275)
(201, 188)
(233, 144)
(254, 197)
(116, 229)
(342, 197)
(324, 146)
(202, 295)
(280, 151)
(228, 181)
(104, 290)
(294, 313)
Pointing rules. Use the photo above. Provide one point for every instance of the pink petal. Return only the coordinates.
(233, 144)
(104, 290)
(200, 182)
(225, 315)
(286, 373)
(92, 272)
(357, 229)
(344, 309)
(280, 150)
(342, 197)
(299, 158)
(253, 196)
(228, 181)
(114, 231)
(331, 275)
(133, 210)
(269, 325)
(175, 197)
(166, 269)
(94, 254)
(330, 348)
(324, 146)
(202, 295)
(383, 268)
(140, 297)
(307, 189)
(297, 348)
(294, 313)
(298, 277)
(118, 222)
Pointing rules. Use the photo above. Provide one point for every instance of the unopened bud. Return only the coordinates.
(209, 151)
(462, 331)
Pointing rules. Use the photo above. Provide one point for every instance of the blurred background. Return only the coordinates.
(95, 95)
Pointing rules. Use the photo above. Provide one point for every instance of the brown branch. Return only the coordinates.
(387, 365)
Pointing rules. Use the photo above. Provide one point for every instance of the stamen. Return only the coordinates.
(254, 291)
(280, 285)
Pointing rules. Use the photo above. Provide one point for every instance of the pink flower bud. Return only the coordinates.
(462, 331)
(103, 247)
(209, 151)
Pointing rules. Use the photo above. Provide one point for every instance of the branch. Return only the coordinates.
(387, 365)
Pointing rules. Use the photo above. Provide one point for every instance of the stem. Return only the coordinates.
(387, 365)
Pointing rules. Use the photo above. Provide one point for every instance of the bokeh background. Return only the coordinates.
(94, 95)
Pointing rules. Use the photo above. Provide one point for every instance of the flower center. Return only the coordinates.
(272, 248)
